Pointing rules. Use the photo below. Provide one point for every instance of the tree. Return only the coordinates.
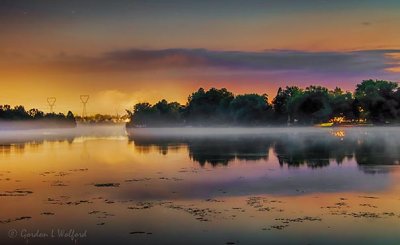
(250, 109)
(35, 113)
(378, 100)
(208, 107)
(312, 106)
(284, 102)
(162, 113)
(168, 113)
(143, 114)
(342, 104)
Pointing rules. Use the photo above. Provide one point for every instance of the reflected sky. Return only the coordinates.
(266, 162)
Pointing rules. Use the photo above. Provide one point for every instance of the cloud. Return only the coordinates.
(366, 61)
(204, 64)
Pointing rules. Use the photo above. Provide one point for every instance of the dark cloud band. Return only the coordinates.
(367, 61)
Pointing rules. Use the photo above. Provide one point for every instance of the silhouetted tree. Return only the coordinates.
(283, 103)
(162, 113)
(209, 107)
(168, 113)
(250, 109)
(342, 104)
(18, 113)
(311, 106)
(378, 100)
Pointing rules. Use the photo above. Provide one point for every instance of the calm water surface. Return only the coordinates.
(296, 186)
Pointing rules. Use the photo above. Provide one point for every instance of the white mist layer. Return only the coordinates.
(62, 133)
(251, 131)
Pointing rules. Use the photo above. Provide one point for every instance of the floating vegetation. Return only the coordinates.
(58, 183)
(173, 178)
(364, 215)
(16, 219)
(213, 200)
(142, 205)
(286, 222)
(47, 173)
(63, 200)
(78, 170)
(201, 214)
(101, 214)
(148, 204)
(371, 215)
(16, 193)
(368, 205)
(259, 204)
(137, 180)
(279, 227)
(369, 197)
(107, 185)
(338, 205)
(341, 204)
(298, 220)
(61, 174)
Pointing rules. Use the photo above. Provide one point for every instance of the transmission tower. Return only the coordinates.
(51, 101)
(84, 100)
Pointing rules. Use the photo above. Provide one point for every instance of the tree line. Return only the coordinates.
(373, 101)
(19, 113)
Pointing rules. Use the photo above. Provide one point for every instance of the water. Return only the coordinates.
(248, 186)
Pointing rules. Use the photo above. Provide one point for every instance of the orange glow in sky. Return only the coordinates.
(129, 52)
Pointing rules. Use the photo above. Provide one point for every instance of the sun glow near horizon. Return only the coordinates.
(133, 52)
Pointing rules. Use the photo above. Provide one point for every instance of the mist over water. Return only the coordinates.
(311, 146)
(60, 133)
(293, 146)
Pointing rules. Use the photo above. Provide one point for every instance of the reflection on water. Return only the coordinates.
(316, 149)
(279, 187)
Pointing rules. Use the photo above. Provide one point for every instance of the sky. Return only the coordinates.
(124, 52)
